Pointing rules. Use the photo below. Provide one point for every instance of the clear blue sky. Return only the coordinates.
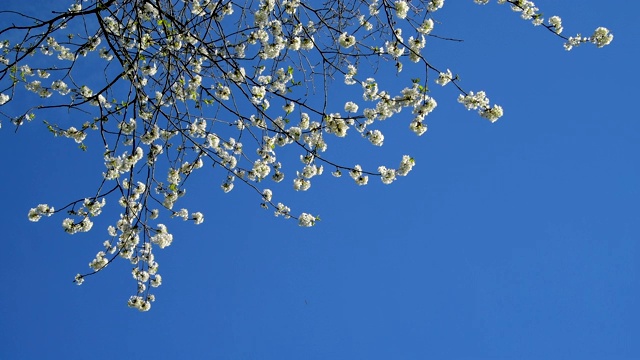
(513, 240)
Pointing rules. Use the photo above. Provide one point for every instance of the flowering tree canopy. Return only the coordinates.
(169, 87)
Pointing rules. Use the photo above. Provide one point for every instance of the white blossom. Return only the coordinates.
(99, 262)
(556, 23)
(426, 27)
(387, 175)
(306, 220)
(197, 217)
(350, 106)
(405, 165)
(4, 98)
(75, 8)
(444, 78)
(435, 5)
(162, 238)
(357, 175)
(375, 137)
(402, 8)
(346, 40)
(601, 37)
(39, 211)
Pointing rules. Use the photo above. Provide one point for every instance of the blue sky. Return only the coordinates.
(513, 240)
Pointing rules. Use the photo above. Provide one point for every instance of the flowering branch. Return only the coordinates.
(174, 87)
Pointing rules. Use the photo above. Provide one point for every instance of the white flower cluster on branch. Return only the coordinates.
(233, 86)
(529, 11)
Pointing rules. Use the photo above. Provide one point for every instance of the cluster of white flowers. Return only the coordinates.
(493, 113)
(4, 98)
(75, 8)
(351, 107)
(405, 165)
(402, 8)
(75, 134)
(574, 41)
(444, 78)
(283, 210)
(421, 111)
(395, 49)
(346, 40)
(61, 87)
(365, 23)
(117, 166)
(356, 174)
(39, 211)
(99, 262)
(556, 23)
(197, 217)
(301, 184)
(78, 279)
(415, 46)
(426, 27)
(336, 125)
(386, 175)
(162, 238)
(93, 206)
(376, 137)
(479, 101)
(156, 281)
(601, 37)
(64, 53)
(435, 5)
(306, 220)
(474, 101)
(35, 86)
(529, 11)
(140, 303)
(348, 76)
(72, 227)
